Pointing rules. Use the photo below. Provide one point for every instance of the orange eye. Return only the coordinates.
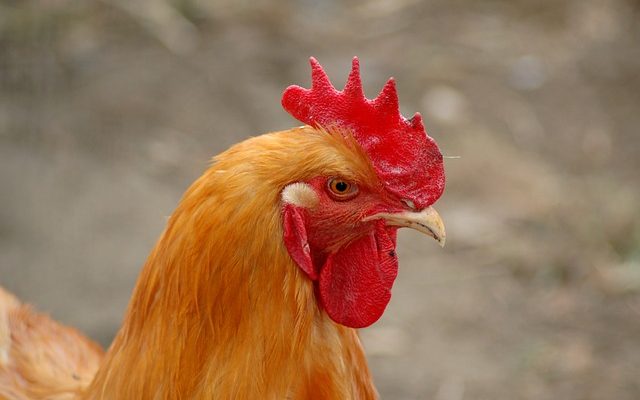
(340, 189)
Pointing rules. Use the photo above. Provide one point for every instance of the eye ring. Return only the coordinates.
(341, 190)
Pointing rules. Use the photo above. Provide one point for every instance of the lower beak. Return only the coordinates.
(427, 221)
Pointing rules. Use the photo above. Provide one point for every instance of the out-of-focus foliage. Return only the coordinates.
(109, 109)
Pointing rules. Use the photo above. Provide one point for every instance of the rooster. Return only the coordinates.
(271, 261)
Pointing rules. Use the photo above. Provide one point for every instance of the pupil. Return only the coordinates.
(341, 186)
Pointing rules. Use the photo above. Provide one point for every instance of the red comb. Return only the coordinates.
(407, 161)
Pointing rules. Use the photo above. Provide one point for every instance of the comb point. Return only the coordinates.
(292, 94)
(353, 87)
(319, 78)
(388, 97)
(416, 121)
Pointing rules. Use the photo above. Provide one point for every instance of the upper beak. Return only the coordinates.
(426, 221)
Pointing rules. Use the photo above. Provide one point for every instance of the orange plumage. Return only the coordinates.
(220, 310)
(39, 358)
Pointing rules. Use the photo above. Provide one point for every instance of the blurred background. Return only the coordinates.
(110, 109)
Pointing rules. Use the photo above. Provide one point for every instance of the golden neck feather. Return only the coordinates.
(219, 307)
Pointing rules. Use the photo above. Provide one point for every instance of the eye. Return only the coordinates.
(340, 189)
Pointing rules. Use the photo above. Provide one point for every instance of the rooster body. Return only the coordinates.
(271, 259)
(39, 358)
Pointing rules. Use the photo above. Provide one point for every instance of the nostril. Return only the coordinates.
(409, 204)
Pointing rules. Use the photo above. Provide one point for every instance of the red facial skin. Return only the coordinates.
(353, 263)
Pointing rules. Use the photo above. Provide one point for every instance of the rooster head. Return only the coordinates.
(340, 229)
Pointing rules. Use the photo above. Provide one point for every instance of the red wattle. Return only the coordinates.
(296, 241)
(355, 283)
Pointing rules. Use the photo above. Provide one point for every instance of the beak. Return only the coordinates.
(427, 221)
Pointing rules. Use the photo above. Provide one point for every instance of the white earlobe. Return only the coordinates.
(300, 194)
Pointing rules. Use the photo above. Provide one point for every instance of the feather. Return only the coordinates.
(220, 309)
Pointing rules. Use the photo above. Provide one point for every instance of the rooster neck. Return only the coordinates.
(221, 311)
